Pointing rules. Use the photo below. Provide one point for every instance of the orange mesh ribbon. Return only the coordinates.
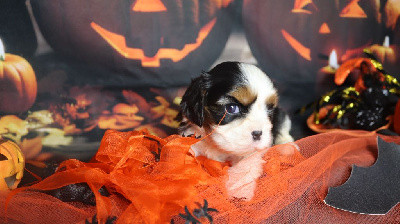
(158, 176)
(153, 179)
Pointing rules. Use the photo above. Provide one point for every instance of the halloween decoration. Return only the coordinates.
(353, 110)
(388, 51)
(296, 47)
(325, 75)
(79, 192)
(388, 56)
(12, 165)
(371, 190)
(347, 67)
(152, 180)
(18, 85)
(161, 41)
(201, 213)
(368, 105)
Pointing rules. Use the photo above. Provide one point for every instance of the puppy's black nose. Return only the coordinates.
(256, 135)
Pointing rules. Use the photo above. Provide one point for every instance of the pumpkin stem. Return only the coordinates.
(2, 52)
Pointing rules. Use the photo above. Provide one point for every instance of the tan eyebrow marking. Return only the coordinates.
(273, 99)
(244, 95)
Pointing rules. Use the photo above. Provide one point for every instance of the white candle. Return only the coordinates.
(386, 42)
(333, 61)
(2, 52)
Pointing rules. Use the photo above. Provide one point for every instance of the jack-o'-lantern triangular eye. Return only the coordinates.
(353, 10)
(148, 6)
(3, 157)
(304, 6)
(324, 29)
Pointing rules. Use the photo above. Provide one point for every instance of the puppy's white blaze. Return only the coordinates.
(258, 82)
(236, 138)
(263, 88)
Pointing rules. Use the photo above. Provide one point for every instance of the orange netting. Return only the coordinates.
(151, 180)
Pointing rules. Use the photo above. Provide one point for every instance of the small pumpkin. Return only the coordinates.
(297, 46)
(18, 86)
(12, 164)
(388, 56)
(388, 51)
(147, 39)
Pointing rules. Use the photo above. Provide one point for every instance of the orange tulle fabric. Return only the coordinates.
(151, 180)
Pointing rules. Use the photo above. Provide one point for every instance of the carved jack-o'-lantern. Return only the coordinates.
(12, 165)
(294, 39)
(148, 39)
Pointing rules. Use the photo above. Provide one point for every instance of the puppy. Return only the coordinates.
(235, 106)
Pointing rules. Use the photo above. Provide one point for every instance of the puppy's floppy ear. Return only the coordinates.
(194, 99)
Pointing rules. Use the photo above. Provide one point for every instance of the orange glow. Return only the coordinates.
(300, 4)
(118, 42)
(225, 3)
(297, 46)
(324, 29)
(354, 52)
(221, 3)
(148, 6)
(353, 10)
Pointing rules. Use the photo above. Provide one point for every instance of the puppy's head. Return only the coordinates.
(241, 92)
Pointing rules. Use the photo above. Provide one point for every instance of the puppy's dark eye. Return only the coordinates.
(232, 108)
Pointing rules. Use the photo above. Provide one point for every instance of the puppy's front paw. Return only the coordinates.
(243, 175)
(245, 191)
(283, 138)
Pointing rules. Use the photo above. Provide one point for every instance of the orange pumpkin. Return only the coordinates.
(18, 86)
(388, 56)
(12, 165)
(388, 51)
(293, 39)
(148, 39)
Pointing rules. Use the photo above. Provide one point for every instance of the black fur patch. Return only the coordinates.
(278, 117)
(218, 112)
(193, 101)
(200, 99)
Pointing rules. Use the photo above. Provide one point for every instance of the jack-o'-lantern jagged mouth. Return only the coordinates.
(305, 52)
(118, 42)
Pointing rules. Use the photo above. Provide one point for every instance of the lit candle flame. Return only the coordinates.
(333, 62)
(386, 42)
(2, 52)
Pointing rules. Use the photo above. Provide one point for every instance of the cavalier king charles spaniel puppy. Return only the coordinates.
(234, 105)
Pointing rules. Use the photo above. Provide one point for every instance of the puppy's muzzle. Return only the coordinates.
(256, 135)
